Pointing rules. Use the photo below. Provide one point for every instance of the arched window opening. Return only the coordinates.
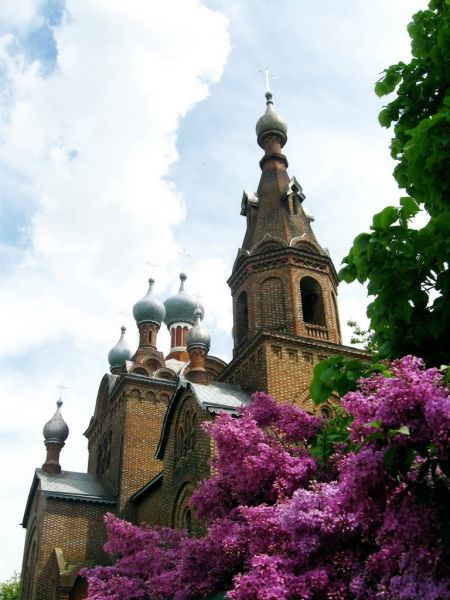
(187, 520)
(104, 453)
(179, 451)
(178, 337)
(140, 371)
(325, 412)
(242, 317)
(294, 205)
(312, 301)
(192, 424)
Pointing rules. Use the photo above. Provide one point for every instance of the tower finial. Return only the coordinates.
(267, 75)
(271, 124)
(60, 387)
(55, 434)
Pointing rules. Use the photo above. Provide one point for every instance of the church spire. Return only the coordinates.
(283, 281)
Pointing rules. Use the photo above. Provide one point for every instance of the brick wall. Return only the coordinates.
(76, 527)
(186, 463)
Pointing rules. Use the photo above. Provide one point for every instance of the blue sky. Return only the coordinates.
(127, 137)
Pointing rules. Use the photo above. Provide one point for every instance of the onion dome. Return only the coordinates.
(56, 430)
(149, 309)
(181, 307)
(198, 336)
(120, 353)
(271, 123)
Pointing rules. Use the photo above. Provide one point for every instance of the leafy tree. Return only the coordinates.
(407, 269)
(370, 519)
(10, 589)
(364, 337)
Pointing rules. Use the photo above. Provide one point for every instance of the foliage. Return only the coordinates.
(364, 337)
(340, 375)
(368, 519)
(407, 269)
(10, 589)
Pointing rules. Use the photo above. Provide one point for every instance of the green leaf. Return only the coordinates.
(319, 393)
(328, 376)
(409, 206)
(404, 430)
(346, 274)
(385, 218)
(384, 118)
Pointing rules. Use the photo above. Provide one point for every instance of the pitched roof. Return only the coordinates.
(72, 486)
(215, 397)
(218, 397)
(147, 488)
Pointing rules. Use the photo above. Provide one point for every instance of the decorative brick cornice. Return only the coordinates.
(319, 345)
(280, 258)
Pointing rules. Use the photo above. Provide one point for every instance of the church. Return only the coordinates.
(146, 446)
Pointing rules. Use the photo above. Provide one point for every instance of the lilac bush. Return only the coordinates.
(373, 522)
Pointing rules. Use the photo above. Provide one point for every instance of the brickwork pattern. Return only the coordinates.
(186, 463)
(53, 524)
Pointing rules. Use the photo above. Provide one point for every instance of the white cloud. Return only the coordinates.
(86, 159)
(87, 149)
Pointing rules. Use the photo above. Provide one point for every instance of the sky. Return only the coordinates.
(126, 140)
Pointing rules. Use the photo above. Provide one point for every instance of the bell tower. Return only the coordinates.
(283, 282)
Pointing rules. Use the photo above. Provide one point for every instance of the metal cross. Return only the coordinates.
(151, 264)
(185, 258)
(184, 252)
(268, 75)
(61, 387)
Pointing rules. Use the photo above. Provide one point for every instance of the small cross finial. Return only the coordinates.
(268, 75)
(152, 264)
(61, 387)
(184, 252)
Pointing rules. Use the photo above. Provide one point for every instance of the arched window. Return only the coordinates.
(241, 317)
(312, 301)
(192, 432)
(273, 312)
(180, 442)
(325, 412)
(104, 453)
(186, 433)
(187, 520)
(182, 515)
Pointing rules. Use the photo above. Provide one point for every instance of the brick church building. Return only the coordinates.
(147, 450)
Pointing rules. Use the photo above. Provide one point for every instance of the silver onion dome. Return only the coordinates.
(120, 352)
(271, 123)
(198, 336)
(149, 309)
(180, 308)
(56, 430)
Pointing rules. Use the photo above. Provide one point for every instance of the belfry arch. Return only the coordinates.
(241, 318)
(312, 304)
